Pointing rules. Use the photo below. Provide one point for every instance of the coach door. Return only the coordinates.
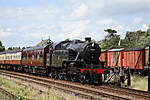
(47, 59)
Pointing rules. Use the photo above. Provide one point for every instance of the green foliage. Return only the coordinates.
(138, 39)
(2, 48)
(23, 47)
(110, 31)
(139, 82)
(13, 48)
(27, 91)
(93, 41)
(18, 89)
(111, 40)
(20, 98)
(0, 43)
(10, 48)
(67, 39)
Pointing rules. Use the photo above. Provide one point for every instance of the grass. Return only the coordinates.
(17, 89)
(139, 82)
(3, 96)
(30, 93)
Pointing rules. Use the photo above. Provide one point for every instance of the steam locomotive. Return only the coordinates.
(74, 60)
(78, 61)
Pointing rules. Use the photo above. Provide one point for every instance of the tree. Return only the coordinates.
(13, 48)
(138, 39)
(129, 40)
(93, 41)
(2, 48)
(16, 48)
(23, 47)
(111, 32)
(0, 43)
(67, 39)
(111, 40)
(10, 48)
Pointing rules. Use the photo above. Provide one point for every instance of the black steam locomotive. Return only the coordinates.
(76, 61)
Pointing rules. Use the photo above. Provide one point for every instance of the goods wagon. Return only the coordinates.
(35, 56)
(103, 57)
(146, 56)
(115, 57)
(135, 58)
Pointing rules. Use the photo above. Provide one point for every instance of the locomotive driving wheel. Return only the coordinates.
(60, 76)
(73, 78)
(65, 77)
(50, 75)
(82, 79)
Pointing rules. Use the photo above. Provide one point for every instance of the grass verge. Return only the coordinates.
(23, 91)
(139, 82)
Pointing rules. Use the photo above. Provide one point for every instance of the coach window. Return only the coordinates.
(33, 56)
(9, 57)
(13, 56)
(40, 53)
(38, 56)
(18, 57)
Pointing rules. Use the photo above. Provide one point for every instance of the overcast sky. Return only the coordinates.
(26, 22)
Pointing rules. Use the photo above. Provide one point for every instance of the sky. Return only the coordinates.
(26, 22)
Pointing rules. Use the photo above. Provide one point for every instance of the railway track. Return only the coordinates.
(133, 92)
(86, 91)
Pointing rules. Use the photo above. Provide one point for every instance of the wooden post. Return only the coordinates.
(122, 76)
(129, 77)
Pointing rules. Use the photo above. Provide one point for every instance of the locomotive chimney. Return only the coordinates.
(88, 39)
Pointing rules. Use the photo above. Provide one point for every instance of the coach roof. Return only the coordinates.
(36, 47)
(133, 49)
(12, 51)
(116, 49)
